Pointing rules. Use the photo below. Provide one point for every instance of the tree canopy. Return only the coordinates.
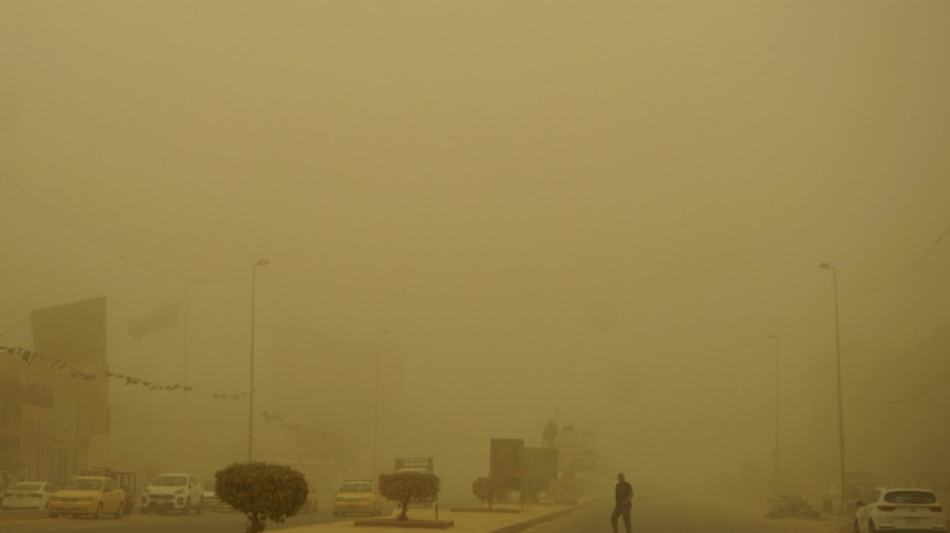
(406, 487)
(262, 492)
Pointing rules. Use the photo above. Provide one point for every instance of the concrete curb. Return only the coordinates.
(404, 524)
(513, 528)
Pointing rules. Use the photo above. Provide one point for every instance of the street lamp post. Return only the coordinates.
(778, 483)
(834, 278)
(250, 412)
(379, 342)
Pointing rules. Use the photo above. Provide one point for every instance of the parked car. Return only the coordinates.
(357, 496)
(28, 495)
(6, 479)
(88, 495)
(786, 506)
(899, 509)
(125, 479)
(172, 492)
(210, 500)
(310, 506)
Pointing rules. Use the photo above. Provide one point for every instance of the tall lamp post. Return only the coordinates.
(834, 277)
(250, 412)
(778, 484)
(379, 342)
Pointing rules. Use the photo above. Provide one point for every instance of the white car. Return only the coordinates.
(900, 509)
(172, 492)
(28, 495)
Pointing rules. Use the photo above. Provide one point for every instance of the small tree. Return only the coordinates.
(262, 492)
(489, 490)
(405, 487)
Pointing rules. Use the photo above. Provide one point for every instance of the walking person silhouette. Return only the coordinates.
(623, 495)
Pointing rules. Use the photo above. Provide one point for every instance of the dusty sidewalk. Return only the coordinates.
(463, 521)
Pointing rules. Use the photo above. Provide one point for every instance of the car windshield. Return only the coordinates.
(169, 481)
(27, 486)
(356, 487)
(910, 496)
(83, 484)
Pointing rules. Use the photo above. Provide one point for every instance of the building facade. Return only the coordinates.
(54, 395)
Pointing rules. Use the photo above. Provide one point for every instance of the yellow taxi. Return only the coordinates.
(88, 495)
(357, 496)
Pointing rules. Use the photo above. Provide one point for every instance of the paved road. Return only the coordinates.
(223, 522)
(650, 516)
(656, 516)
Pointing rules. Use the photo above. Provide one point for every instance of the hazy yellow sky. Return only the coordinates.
(582, 197)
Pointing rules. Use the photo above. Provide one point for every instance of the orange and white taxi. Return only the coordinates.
(88, 495)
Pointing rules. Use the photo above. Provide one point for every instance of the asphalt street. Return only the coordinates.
(664, 516)
(649, 516)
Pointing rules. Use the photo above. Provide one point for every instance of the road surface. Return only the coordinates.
(664, 516)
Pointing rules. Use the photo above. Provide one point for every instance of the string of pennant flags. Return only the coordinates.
(29, 357)
(282, 422)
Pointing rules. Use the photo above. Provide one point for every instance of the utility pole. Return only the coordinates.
(834, 278)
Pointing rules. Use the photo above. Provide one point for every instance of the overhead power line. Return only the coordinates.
(913, 266)
(108, 249)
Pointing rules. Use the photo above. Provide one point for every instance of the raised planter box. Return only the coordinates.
(483, 510)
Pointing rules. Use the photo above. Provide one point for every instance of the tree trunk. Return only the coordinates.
(405, 510)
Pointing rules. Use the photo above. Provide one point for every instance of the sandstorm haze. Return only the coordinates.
(594, 212)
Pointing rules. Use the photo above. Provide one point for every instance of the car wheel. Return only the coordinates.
(145, 510)
(118, 510)
(98, 514)
(200, 507)
(871, 528)
(857, 528)
(186, 508)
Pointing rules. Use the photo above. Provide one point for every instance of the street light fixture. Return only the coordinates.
(250, 413)
(778, 484)
(379, 342)
(834, 277)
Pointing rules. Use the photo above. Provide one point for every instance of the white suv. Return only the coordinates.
(172, 492)
(899, 509)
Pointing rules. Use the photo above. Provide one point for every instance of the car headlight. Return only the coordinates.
(180, 491)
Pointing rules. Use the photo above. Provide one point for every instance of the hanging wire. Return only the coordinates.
(104, 246)
(14, 326)
(29, 358)
(912, 266)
